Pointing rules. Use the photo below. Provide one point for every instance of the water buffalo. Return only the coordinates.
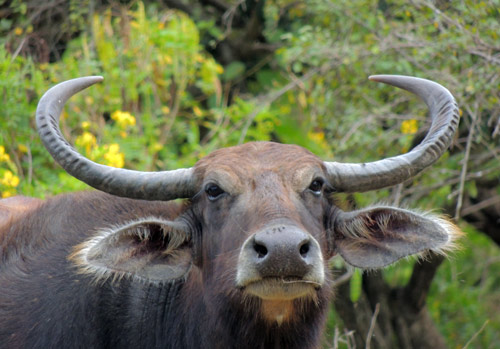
(241, 263)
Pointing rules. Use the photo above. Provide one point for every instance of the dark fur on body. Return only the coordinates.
(45, 302)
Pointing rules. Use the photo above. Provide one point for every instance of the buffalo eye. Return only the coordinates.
(213, 191)
(316, 186)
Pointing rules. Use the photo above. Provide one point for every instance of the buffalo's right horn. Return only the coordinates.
(444, 116)
(164, 185)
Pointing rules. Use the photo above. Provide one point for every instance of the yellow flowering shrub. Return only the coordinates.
(319, 139)
(3, 155)
(22, 148)
(123, 119)
(87, 141)
(8, 179)
(108, 154)
(409, 127)
(113, 156)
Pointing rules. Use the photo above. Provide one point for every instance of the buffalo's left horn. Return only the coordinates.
(164, 185)
(444, 115)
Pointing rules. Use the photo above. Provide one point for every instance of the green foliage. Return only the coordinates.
(464, 295)
(20, 87)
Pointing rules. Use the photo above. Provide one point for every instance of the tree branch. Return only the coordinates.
(415, 292)
(219, 5)
(481, 205)
(470, 138)
(372, 326)
(179, 5)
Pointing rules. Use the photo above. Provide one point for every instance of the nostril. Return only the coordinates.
(304, 249)
(260, 249)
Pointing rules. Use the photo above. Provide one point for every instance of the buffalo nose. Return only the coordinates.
(283, 251)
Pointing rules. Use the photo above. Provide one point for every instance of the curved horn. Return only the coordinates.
(443, 111)
(165, 185)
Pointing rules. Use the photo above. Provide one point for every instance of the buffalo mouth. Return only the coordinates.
(282, 288)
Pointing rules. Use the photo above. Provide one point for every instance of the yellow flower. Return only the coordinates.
(199, 58)
(114, 148)
(316, 136)
(86, 140)
(8, 193)
(157, 147)
(18, 31)
(113, 156)
(123, 119)
(3, 155)
(22, 148)
(197, 111)
(9, 179)
(85, 125)
(409, 127)
(166, 59)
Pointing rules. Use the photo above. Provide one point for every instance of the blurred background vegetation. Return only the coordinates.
(185, 77)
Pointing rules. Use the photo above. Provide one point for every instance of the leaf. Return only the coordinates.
(355, 286)
(233, 70)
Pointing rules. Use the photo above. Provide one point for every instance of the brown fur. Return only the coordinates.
(14, 208)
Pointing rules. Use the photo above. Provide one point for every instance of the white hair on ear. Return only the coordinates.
(377, 226)
(453, 231)
(84, 254)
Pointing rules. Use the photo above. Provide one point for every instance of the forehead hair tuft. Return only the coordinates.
(260, 156)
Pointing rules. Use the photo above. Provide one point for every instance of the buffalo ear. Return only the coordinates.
(378, 236)
(150, 249)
